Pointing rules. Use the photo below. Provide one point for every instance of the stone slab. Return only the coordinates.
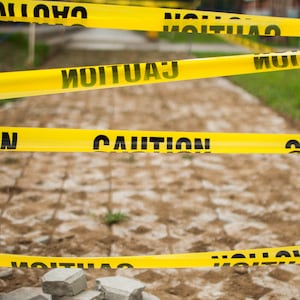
(120, 288)
(86, 295)
(147, 296)
(27, 293)
(64, 282)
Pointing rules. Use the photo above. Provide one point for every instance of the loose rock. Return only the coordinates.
(86, 295)
(120, 288)
(27, 293)
(147, 296)
(64, 282)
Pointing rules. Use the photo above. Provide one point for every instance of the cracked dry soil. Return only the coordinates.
(53, 203)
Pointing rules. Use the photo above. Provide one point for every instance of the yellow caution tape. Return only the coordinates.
(253, 257)
(82, 140)
(246, 42)
(41, 82)
(156, 3)
(145, 18)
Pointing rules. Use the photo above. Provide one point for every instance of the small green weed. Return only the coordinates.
(187, 156)
(10, 161)
(111, 218)
(129, 159)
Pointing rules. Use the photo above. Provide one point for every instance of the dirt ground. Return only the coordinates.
(53, 203)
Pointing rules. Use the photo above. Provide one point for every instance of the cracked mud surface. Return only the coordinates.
(53, 203)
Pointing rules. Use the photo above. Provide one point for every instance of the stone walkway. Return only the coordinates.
(53, 203)
(109, 39)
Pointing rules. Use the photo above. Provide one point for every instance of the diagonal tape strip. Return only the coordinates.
(84, 140)
(252, 257)
(255, 46)
(150, 3)
(145, 18)
(60, 80)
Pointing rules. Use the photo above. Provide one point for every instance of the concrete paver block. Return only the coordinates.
(27, 293)
(120, 288)
(147, 296)
(86, 295)
(64, 282)
(4, 296)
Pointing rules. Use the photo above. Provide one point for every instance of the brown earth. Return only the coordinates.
(53, 203)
